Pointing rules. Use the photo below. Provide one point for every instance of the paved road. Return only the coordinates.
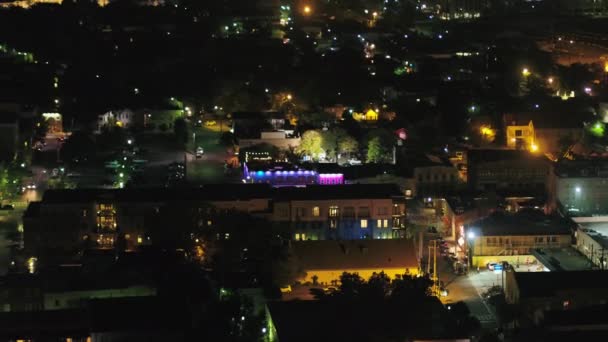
(468, 288)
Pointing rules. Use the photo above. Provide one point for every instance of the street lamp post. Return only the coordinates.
(470, 242)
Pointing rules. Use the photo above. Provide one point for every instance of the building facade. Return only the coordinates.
(513, 237)
(490, 170)
(72, 220)
(580, 187)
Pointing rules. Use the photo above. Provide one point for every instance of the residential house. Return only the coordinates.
(545, 131)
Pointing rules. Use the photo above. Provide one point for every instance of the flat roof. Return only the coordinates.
(562, 259)
(344, 191)
(343, 255)
(547, 284)
(598, 231)
(524, 222)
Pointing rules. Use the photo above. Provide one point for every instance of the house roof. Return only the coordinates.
(582, 168)
(547, 284)
(257, 115)
(345, 191)
(343, 321)
(549, 120)
(360, 254)
(494, 155)
(210, 192)
(525, 222)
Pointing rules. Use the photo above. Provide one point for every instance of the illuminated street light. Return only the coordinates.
(471, 235)
(525, 72)
(578, 189)
(307, 9)
(289, 97)
(375, 14)
(550, 80)
(534, 148)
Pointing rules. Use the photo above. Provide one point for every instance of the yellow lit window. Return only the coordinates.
(303, 236)
(385, 223)
(379, 224)
(297, 236)
(140, 240)
(316, 211)
(334, 211)
(364, 223)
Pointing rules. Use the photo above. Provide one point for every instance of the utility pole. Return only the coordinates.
(435, 279)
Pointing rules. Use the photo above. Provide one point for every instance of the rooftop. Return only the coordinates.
(350, 191)
(549, 120)
(211, 192)
(590, 168)
(547, 284)
(494, 155)
(524, 222)
(343, 255)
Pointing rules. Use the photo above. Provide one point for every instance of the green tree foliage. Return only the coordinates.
(79, 147)
(379, 146)
(111, 138)
(310, 144)
(234, 319)
(330, 142)
(348, 145)
(376, 151)
(314, 120)
(181, 131)
(41, 129)
(228, 139)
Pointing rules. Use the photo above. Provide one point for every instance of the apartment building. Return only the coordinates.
(348, 212)
(71, 220)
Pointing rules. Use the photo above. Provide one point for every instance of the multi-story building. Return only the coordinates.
(9, 136)
(68, 220)
(349, 212)
(490, 170)
(546, 132)
(580, 187)
(534, 293)
(514, 237)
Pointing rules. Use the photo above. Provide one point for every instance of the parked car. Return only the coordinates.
(7, 207)
(199, 152)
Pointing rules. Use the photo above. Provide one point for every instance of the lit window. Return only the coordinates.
(333, 224)
(209, 222)
(303, 236)
(334, 211)
(316, 211)
(385, 223)
(364, 223)
(227, 236)
(297, 236)
(140, 240)
(379, 224)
